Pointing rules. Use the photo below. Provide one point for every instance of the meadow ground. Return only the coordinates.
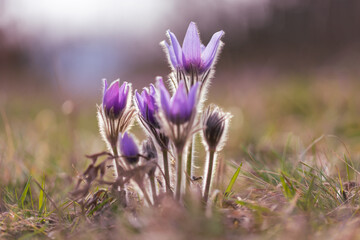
(298, 142)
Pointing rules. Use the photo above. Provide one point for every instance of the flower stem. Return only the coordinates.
(209, 175)
(179, 175)
(189, 164)
(153, 187)
(119, 188)
(116, 163)
(166, 170)
(146, 195)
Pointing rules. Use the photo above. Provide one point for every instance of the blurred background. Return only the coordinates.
(70, 46)
(287, 67)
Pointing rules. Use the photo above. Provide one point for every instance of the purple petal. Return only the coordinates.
(172, 55)
(208, 55)
(152, 90)
(111, 95)
(139, 102)
(176, 47)
(192, 98)
(178, 109)
(191, 46)
(164, 96)
(128, 147)
(123, 94)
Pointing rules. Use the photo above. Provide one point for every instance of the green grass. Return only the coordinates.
(290, 170)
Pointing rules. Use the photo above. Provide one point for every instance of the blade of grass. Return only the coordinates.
(347, 168)
(232, 181)
(24, 193)
(42, 198)
(99, 206)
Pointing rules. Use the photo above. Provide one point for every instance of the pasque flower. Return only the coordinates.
(148, 111)
(215, 123)
(193, 55)
(181, 107)
(115, 114)
(146, 103)
(178, 115)
(128, 148)
(115, 98)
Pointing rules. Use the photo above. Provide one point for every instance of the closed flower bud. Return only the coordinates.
(115, 98)
(115, 114)
(215, 123)
(148, 149)
(146, 103)
(128, 148)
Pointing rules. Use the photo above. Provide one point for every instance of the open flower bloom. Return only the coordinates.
(193, 55)
(146, 103)
(128, 148)
(115, 98)
(181, 107)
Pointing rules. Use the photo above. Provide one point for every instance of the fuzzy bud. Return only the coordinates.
(215, 123)
(128, 148)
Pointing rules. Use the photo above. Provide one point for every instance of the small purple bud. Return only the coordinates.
(115, 98)
(128, 148)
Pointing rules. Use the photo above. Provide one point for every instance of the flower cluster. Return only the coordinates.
(170, 119)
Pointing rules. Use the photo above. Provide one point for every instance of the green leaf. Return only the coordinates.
(42, 198)
(99, 206)
(24, 193)
(232, 181)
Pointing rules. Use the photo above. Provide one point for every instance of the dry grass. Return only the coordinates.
(297, 140)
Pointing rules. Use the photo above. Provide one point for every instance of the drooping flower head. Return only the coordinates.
(181, 107)
(146, 103)
(193, 55)
(215, 123)
(115, 98)
(128, 148)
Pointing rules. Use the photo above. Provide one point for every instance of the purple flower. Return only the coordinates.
(193, 54)
(146, 103)
(179, 108)
(115, 98)
(128, 148)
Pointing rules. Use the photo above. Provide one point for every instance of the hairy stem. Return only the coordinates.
(179, 175)
(119, 187)
(146, 195)
(189, 164)
(209, 175)
(166, 170)
(153, 187)
(116, 163)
